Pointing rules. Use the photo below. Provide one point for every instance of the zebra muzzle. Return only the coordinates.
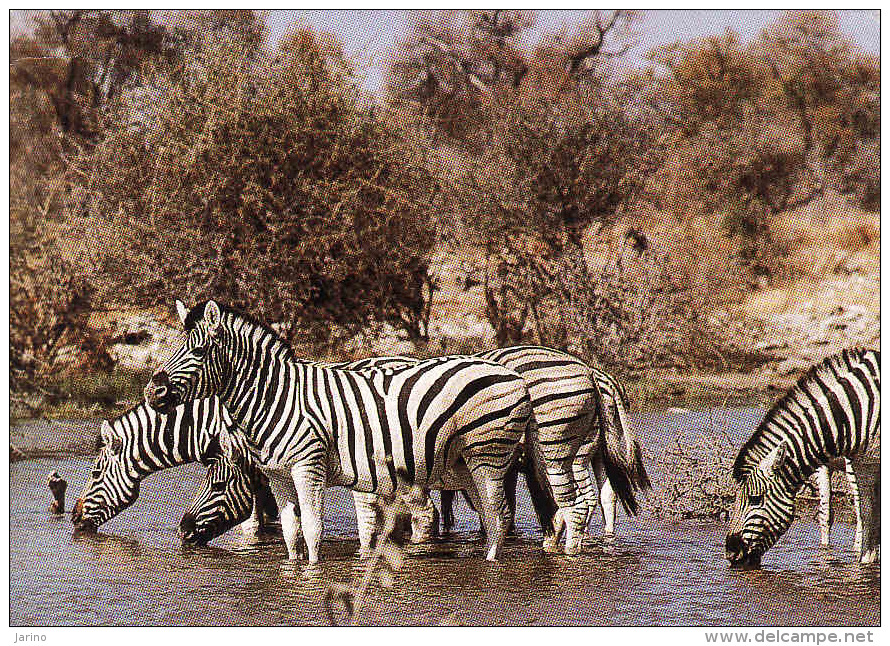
(739, 554)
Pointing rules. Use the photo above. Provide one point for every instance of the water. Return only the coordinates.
(136, 572)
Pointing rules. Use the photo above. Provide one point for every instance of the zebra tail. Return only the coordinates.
(622, 456)
(536, 479)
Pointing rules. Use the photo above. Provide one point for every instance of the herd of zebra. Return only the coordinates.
(275, 431)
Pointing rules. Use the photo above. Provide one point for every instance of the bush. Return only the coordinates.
(261, 181)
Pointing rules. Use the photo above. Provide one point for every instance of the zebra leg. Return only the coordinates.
(252, 526)
(854, 493)
(608, 501)
(490, 487)
(366, 518)
(447, 502)
(868, 479)
(286, 496)
(474, 502)
(823, 483)
(309, 482)
(510, 492)
(583, 492)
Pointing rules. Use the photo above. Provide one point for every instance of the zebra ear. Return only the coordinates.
(773, 461)
(230, 448)
(182, 310)
(212, 316)
(109, 438)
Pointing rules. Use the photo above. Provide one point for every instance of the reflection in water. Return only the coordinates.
(135, 571)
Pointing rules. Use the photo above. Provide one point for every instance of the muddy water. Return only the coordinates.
(135, 572)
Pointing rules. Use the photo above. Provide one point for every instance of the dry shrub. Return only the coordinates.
(698, 479)
(262, 181)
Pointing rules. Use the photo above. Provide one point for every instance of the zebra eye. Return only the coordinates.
(218, 486)
(756, 500)
(201, 350)
(97, 473)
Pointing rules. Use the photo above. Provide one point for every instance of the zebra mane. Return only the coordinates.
(753, 449)
(197, 313)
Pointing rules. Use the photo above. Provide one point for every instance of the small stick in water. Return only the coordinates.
(57, 486)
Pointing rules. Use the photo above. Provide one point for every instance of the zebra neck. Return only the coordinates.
(264, 383)
(162, 441)
(806, 451)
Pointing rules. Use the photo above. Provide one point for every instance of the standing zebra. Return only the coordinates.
(581, 416)
(140, 442)
(563, 400)
(833, 411)
(453, 422)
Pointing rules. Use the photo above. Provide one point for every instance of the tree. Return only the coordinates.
(567, 151)
(259, 179)
(453, 63)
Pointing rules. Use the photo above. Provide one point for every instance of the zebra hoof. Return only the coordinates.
(551, 546)
(572, 550)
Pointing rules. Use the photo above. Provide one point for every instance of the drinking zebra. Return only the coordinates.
(452, 422)
(140, 442)
(233, 487)
(833, 411)
(562, 401)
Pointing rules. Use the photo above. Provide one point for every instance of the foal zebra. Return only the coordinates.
(833, 411)
(453, 422)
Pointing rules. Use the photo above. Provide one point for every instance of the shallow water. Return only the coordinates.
(135, 571)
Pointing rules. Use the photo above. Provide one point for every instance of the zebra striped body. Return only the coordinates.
(560, 401)
(141, 442)
(833, 411)
(447, 423)
(235, 486)
(581, 418)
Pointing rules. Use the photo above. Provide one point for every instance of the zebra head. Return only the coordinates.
(113, 485)
(763, 511)
(224, 500)
(195, 370)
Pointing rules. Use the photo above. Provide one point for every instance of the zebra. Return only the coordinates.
(140, 442)
(581, 417)
(833, 411)
(451, 422)
(560, 385)
(572, 387)
(232, 489)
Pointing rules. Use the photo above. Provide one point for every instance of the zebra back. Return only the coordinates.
(832, 411)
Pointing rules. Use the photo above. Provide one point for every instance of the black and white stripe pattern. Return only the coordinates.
(581, 420)
(452, 422)
(560, 400)
(234, 489)
(141, 442)
(833, 411)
